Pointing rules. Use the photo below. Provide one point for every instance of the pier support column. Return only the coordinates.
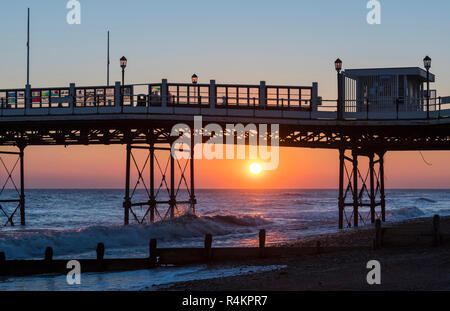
(372, 187)
(159, 193)
(152, 201)
(193, 199)
(361, 190)
(355, 190)
(341, 186)
(172, 201)
(22, 186)
(127, 201)
(382, 194)
(10, 206)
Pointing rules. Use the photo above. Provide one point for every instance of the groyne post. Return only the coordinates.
(2, 263)
(152, 252)
(48, 260)
(377, 242)
(208, 246)
(318, 247)
(100, 250)
(262, 242)
(48, 257)
(436, 231)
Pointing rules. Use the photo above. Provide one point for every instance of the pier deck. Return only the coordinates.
(144, 114)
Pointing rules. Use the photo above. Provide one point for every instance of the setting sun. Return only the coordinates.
(255, 168)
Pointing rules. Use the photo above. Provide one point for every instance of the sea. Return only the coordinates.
(72, 222)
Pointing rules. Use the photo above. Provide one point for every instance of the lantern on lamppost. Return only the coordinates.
(123, 65)
(194, 79)
(338, 67)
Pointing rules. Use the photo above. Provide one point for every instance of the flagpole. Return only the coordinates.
(28, 48)
(107, 65)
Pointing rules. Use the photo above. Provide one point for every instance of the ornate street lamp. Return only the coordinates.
(338, 67)
(194, 79)
(427, 62)
(427, 65)
(123, 65)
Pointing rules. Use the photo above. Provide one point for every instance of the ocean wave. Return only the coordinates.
(426, 200)
(32, 244)
(304, 202)
(240, 220)
(409, 211)
(287, 194)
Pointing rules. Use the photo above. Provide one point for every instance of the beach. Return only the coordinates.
(415, 267)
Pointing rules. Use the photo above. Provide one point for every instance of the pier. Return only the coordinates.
(359, 123)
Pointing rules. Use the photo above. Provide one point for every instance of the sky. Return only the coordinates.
(280, 42)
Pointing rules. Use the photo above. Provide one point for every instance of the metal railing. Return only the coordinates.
(132, 98)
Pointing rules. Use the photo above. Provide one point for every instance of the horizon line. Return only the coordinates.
(84, 189)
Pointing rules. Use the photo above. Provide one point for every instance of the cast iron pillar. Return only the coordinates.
(165, 193)
(193, 199)
(22, 186)
(152, 201)
(10, 206)
(127, 201)
(372, 187)
(382, 194)
(361, 190)
(172, 200)
(355, 189)
(341, 186)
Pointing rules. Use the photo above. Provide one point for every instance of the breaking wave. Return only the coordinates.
(410, 211)
(426, 200)
(179, 232)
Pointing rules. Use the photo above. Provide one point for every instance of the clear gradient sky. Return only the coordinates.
(281, 42)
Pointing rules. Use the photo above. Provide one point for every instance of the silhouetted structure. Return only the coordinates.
(142, 116)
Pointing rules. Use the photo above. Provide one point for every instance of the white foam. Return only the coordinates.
(182, 231)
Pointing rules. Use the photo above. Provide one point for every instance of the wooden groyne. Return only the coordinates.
(421, 234)
(158, 257)
(395, 235)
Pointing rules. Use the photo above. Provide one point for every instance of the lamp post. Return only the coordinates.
(194, 79)
(123, 65)
(427, 65)
(338, 67)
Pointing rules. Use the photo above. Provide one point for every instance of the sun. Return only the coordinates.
(255, 168)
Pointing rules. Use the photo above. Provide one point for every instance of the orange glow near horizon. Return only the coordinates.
(300, 168)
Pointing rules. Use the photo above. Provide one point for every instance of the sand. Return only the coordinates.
(415, 267)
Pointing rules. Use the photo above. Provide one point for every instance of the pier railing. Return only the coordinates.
(278, 101)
